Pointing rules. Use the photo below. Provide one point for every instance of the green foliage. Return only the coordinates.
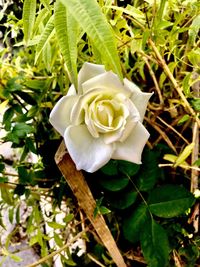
(147, 206)
(29, 12)
(155, 244)
(169, 201)
(88, 14)
(67, 31)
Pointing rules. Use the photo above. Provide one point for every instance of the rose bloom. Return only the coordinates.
(103, 120)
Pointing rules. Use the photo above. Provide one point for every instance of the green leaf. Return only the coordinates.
(90, 17)
(47, 56)
(67, 34)
(103, 210)
(15, 258)
(187, 83)
(128, 168)
(17, 215)
(155, 245)
(196, 104)
(3, 179)
(22, 129)
(130, 10)
(124, 200)
(7, 118)
(36, 84)
(194, 57)
(185, 118)
(170, 200)
(68, 218)
(58, 240)
(111, 168)
(194, 30)
(184, 154)
(45, 37)
(159, 14)
(46, 4)
(24, 177)
(11, 215)
(33, 240)
(7, 196)
(29, 11)
(149, 172)
(56, 225)
(134, 223)
(114, 183)
(2, 167)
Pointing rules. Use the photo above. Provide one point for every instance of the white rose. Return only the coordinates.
(103, 120)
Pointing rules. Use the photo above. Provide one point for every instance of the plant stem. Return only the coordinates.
(174, 82)
(54, 253)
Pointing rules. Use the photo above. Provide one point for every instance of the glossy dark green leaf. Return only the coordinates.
(149, 172)
(155, 245)
(128, 168)
(135, 222)
(24, 176)
(7, 117)
(114, 183)
(111, 168)
(170, 200)
(123, 199)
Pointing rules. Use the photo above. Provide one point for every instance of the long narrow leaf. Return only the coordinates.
(91, 19)
(45, 37)
(40, 19)
(29, 11)
(46, 4)
(67, 32)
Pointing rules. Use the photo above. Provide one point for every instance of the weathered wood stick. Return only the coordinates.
(82, 192)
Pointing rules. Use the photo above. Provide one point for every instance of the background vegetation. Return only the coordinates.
(152, 209)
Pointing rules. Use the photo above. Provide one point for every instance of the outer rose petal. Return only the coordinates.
(139, 98)
(72, 90)
(131, 148)
(88, 153)
(107, 80)
(87, 72)
(60, 114)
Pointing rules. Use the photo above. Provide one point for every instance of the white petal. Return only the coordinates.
(139, 98)
(131, 149)
(60, 114)
(71, 91)
(113, 136)
(130, 125)
(107, 80)
(88, 71)
(88, 153)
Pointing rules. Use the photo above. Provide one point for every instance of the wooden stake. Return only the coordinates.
(82, 192)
